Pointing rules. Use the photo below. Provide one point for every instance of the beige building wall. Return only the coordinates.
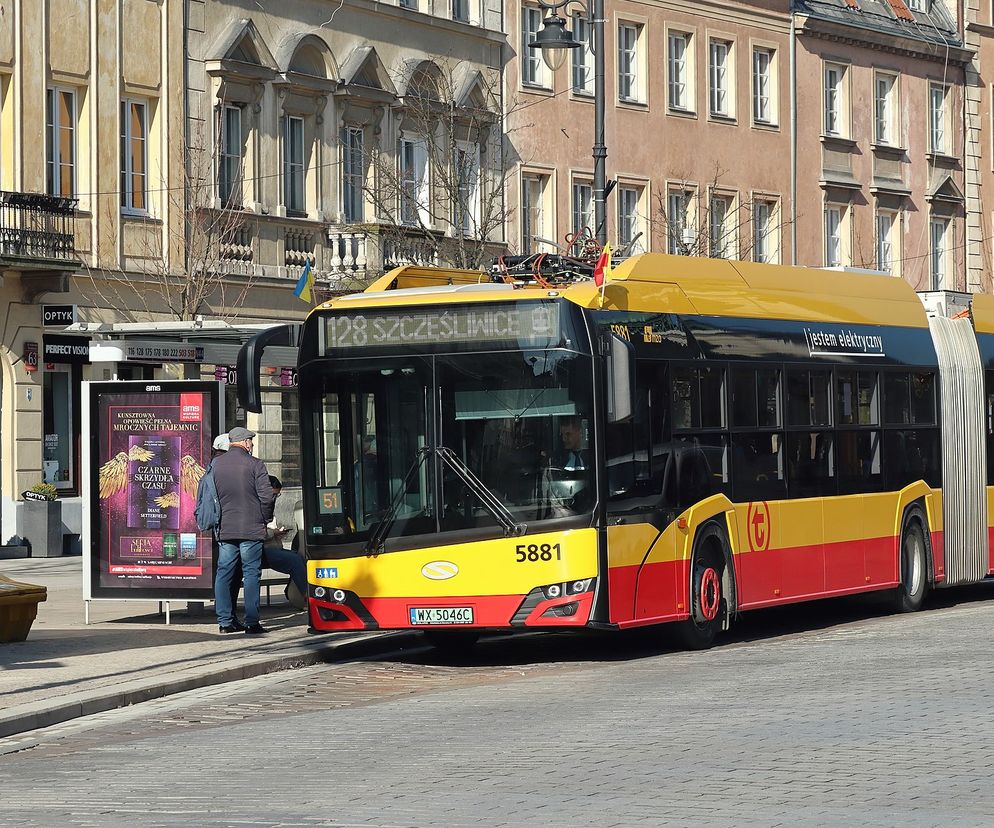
(254, 70)
(79, 58)
(654, 146)
(979, 36)
(862, 174)
(657, 147)
(331, 70)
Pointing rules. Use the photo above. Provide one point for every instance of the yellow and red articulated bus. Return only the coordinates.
(701, 438)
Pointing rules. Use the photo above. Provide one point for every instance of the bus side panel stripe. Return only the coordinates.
(882, 560)
(770, 577)
(782, 575)
(662, 587)
(939, 556)
(659, 585)
(621, 583)
(990, 547)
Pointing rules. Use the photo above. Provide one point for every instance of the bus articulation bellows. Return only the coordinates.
(701, 438)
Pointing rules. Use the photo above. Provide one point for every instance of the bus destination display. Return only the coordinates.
(526, 323)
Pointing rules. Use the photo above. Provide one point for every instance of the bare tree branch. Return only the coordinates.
(216, 275)
(443, 187)
(718, 223)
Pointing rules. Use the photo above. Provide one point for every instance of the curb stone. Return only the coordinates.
(35, 715)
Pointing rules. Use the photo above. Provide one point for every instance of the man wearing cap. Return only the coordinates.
(247, 503)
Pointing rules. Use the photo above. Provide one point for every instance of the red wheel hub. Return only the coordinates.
(710, 597)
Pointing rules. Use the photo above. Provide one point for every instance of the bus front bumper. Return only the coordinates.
(343, 610)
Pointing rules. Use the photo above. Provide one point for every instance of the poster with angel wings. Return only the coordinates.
(153, 446)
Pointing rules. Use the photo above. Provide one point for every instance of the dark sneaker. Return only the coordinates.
(254, 629)
(233, 627)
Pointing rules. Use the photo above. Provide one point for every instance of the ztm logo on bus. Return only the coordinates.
(759, 526)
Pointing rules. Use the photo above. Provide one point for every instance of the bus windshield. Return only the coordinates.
(412, 446)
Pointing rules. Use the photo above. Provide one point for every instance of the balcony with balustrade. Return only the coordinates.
(362, 252)
(342, 257)
(37, 238)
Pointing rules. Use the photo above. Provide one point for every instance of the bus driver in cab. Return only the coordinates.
(572, 456)
(570, 468)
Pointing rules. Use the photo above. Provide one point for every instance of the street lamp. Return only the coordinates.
(555, 41)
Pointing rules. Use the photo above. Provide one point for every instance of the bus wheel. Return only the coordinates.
(910, 595)
(708, 604)
(454, 642)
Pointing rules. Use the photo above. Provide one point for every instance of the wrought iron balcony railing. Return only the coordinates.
(37, 227)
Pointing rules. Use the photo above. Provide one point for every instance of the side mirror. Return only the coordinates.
(250, 361)
(620, 379)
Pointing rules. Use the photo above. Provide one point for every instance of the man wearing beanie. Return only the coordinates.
(247, 503)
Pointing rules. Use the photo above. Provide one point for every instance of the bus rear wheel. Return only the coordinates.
(708, 604)
(910, 594)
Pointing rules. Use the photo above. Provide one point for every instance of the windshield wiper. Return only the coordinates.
(480, 489)
(374, 545)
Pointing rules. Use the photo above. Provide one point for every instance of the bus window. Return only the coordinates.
(808, 397)
(768, 397)
(910, 456)
(755, 397)
(897, 399)
(923, 398)
(328, 437)
(858, 454)
(638, 453)
(382, 409)
(744, 408)
(684, 392)
(757, 466)
(858, 398)
(521, 422)
(364, 450)
(698, 397)
(701, 468)
(712, 403)
(810, 464)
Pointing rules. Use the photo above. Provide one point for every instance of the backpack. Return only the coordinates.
(208, 511)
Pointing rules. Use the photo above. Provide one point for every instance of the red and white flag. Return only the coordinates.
(602, 270)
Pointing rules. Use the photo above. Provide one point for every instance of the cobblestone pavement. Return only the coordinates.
(845, 718)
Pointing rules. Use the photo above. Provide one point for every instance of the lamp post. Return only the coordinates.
(555, 41)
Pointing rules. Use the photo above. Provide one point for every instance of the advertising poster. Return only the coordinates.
(151, 443)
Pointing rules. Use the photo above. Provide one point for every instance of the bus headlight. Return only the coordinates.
(319, 591)
(569, 588)
(338, 596)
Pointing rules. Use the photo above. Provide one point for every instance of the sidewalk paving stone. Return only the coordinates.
(128, 654)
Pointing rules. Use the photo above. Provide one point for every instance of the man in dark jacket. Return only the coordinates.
(247, 503)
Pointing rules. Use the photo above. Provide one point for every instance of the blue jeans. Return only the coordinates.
(282, 560)
(250, 554)
(288, 562)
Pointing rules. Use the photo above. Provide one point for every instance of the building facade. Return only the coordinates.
(881, 140)
(354, 136)
(978, 17)
(90, 149)
(825, 133)
(164, 162)
(692, 90)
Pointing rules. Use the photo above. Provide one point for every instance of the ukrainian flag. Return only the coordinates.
(304, 284)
